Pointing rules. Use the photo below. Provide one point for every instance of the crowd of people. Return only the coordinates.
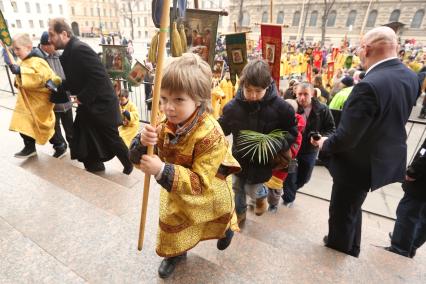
(353, 122)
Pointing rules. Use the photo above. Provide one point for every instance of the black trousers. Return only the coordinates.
(409, 232)
(345, 220)
(67, 120)
(28, 141)
(94, 143)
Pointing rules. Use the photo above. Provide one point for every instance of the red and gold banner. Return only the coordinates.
(318, 59)
(309, 73)
(330, 70)
(271, 49)
(334, 53)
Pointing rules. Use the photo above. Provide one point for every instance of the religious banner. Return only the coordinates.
(334, 53)
(309, 73)
(251, 44)
(4, 32)
(348, 62)
(271, 49)
(114, 58)
(317, 59)
(330, 70)
(200, 29)
(237, 54)
(218, 69)
(137, 73)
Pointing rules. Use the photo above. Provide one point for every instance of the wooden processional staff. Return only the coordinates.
(164, 28)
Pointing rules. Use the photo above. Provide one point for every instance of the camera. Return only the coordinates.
(136, 150)
(315, 135)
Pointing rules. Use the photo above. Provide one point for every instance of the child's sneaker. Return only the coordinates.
(241, 218)
(273, 208)
(224, 242)
(261, 206)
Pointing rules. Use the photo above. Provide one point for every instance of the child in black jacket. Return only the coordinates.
(256, 107)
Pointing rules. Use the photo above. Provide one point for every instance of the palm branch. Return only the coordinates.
(259, 145)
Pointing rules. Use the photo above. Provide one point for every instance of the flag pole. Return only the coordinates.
(164, 24)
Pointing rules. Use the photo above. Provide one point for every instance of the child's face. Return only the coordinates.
(252, 93)
(123, 100)
(177, 107)
(21, 51)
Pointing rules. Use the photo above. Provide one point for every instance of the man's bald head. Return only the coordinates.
(378, 44)
(380, 36)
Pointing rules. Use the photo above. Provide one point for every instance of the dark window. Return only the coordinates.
(296, 19)
(331, 20)
(351, 18)
(246, 19)
(394, 17)
(371, 21)
(280, 17)
(314, 18)
(264, 17)
(418, 19)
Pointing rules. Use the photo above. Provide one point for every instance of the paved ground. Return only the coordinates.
(61, 224)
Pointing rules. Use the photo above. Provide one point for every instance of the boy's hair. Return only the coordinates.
(293, 104)
(257, 74)
(191, 75)
(59, 25)
(23, 40)
(124, 93)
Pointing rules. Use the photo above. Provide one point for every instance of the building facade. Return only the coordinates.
(350, 18)
(32, 17)
(93, 17)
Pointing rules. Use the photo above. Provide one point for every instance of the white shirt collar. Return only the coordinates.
(380, 62)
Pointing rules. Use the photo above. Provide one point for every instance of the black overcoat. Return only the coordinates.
(369, 147)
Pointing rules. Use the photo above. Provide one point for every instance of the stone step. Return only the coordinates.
(22, 260)
(97, 245)
(100, 247)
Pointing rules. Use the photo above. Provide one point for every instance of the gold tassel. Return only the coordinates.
(176, 45)
(152, 53)
(183, 38)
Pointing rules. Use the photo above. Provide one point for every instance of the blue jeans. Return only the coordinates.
(241, 189)
(409, 232)
(300, 177)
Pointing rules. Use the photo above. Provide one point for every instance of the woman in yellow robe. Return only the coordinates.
(130, 115)
(227, 88)
(32, 75)
(217, 96)
(193, 165)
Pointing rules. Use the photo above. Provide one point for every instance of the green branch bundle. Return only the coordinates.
(259, 146)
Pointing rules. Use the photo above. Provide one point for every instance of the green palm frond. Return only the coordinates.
(261, 146)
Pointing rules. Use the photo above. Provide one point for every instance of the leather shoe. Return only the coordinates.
(168, 265)
(325, 240)
(128, 169)
(223, 243)
(94, 167)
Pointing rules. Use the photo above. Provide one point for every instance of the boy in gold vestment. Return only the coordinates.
(37, 80)
(192, 165)
(130, 116)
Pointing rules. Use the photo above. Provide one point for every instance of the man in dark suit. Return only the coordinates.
(96, 138)
(369, 147)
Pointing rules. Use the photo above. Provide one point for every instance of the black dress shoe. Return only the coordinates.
(325, 240)
(27, 152)
(223, 243)
(168, 265)
(94, 167)
(128, 169)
